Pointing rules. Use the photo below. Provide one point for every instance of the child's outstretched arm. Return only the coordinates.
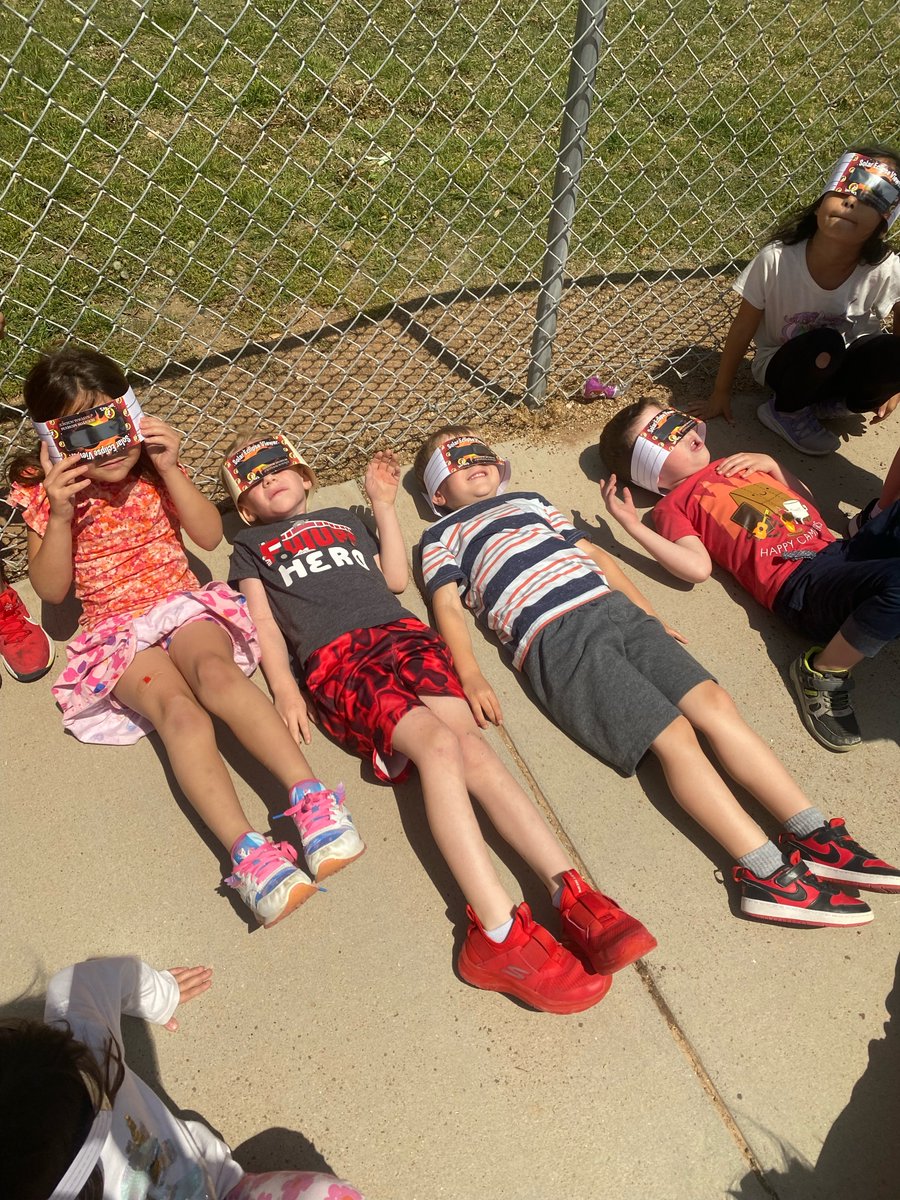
(381, 482)
(276, 663)
(450, 619)
(688, 558)
(619, 582)
(740, 335)
(199, 517)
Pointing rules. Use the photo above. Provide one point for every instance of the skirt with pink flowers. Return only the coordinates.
(97, 659)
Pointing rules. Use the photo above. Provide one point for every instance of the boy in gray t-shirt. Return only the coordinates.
(321, 593)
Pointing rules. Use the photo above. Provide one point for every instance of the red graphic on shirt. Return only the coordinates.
(305, 535)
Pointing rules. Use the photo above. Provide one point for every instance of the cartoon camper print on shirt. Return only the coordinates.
(152, 1167)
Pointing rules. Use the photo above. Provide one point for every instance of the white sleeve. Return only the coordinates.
(99, 991)
(753, 282)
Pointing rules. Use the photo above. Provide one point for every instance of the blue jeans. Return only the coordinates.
(851, 587)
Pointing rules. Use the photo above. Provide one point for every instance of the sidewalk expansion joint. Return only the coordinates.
(645, 975)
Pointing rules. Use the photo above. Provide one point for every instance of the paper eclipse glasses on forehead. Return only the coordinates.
(457, 454)
(263, 456)
(869, 180)
(98, 432)
(656, 441)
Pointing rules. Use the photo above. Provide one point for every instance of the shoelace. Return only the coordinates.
(261, 863)
(317, 810)
(802, 423)
(13, 618)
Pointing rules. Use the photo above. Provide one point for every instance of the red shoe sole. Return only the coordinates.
(487, 981)
(626, 953)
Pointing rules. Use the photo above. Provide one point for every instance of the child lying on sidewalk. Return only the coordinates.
(320, 592)
(759, 522)
(612, 677)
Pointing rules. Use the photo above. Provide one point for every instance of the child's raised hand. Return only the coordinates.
(382, 477)
(62, 482)
(717, 404)
(745, 464)
(620, 508)
(162, 442)
(192, 981)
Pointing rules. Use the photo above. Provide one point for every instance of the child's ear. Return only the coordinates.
(438, 499)
(247, 517)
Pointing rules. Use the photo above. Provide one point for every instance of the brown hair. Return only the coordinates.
(431, 444)
(51, 1088)
(54, 383)
(618, 436)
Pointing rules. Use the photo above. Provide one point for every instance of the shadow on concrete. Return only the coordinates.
(860, 1156)
(279, 1149)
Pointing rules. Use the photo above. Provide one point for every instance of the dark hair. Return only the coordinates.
(54, 383)
(431, 444)
(801, 224)
(618, 436)
(51, 1088)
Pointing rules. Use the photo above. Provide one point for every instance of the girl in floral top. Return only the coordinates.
(157, 650)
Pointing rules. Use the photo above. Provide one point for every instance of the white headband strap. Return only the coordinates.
(437, 470)
(649, 453)
(87, 1157)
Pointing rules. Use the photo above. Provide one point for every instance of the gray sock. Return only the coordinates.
(803, 823)
(763, 861)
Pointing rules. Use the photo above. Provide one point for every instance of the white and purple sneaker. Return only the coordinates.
(269, 883)
(327, 833)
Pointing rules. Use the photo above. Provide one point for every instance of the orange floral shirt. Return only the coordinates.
(126, 541)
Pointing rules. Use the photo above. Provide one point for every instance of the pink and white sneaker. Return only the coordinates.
(270, 884)
(327, 833)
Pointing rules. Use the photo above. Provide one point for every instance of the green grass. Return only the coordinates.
(250, 165)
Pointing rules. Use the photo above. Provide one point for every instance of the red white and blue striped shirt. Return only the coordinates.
(515, 560)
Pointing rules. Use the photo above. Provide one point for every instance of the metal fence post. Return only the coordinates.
(579, 92)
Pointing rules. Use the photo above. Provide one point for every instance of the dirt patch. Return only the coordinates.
(388, 381)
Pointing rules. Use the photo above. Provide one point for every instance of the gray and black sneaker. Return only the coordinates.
(825, 703)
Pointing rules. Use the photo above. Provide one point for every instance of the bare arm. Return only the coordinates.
(740, 335)
(381, 481)
(51, 563)
(276, 662)
(688, 558)
(199, 517)
(619, 582)
(452, 624)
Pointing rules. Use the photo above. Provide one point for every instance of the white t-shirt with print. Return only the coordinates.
(778, 280)
(149, 1152)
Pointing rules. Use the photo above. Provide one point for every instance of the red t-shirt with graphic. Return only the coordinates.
(750, 524)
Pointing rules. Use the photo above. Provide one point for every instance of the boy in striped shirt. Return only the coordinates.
(607, 670)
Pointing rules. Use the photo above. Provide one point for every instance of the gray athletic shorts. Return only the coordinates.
(611, 678)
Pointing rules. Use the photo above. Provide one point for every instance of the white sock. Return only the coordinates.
(556, 898)
(501, 933)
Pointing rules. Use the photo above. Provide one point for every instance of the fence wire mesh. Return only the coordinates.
(330, 217)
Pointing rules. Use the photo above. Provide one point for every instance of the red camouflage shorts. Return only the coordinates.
(365, 681)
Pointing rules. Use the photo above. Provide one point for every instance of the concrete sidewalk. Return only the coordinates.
(739, 1059)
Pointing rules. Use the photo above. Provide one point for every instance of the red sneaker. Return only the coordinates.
(832, 854)
(26, 650)
(598, 929)
(793, 895)
(530, 965)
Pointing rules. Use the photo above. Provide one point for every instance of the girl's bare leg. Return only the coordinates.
(154, 687)
(203, 654)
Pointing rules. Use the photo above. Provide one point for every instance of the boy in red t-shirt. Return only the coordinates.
(759, 522)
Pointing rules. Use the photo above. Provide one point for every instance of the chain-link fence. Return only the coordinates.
(331, 217)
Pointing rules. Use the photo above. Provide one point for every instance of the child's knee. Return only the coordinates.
(707, 704)
(677, 736)
(180, 713)
(215, 675)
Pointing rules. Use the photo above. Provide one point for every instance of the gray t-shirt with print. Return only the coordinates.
(320, 576)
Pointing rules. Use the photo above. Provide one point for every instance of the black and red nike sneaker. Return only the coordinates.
(831, 853)
(793, 895)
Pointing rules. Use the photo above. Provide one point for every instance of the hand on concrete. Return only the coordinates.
(192, 981)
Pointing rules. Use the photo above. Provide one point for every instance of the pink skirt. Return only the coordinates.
(97, 659)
